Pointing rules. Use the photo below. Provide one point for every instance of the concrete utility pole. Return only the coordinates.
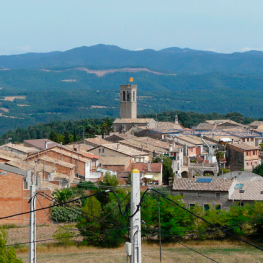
(32, 227)
(136, 219)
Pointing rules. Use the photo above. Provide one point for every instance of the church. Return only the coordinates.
(128, 113)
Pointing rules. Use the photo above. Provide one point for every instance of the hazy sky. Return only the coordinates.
(48, 25)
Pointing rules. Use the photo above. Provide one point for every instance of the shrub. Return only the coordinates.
(65, 214)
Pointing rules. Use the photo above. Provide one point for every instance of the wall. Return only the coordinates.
(235, 159)
(14, 200)
(207, 197)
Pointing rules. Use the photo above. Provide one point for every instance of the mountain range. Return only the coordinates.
(170, 60)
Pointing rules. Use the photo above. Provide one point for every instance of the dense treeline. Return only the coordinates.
(71, 94)
(177, 224)
(56, 130)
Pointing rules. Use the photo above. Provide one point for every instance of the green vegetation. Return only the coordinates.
(258, 170)
(167, 167)
(55, 130)
(7, 254)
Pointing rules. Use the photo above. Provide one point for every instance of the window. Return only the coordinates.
(192, 149)
(218, 207)
(102, 150)
(123, 96)
(206, 207)
(247, 153)
(251, 163)
(128, 96)
(191, 206)
(256, 163)
(243, 140)
(218, 195)
(247, 139)
(25, 186)
(133, 95)
(99, 150)
(252, 139)
(247, 164)
(254, 153)
(199, 194)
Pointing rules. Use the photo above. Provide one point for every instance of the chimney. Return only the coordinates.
(232, 141)
(149, 166)
(45, 145)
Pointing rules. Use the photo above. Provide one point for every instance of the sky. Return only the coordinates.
(57, 25)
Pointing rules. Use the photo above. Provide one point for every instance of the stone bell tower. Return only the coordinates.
(128, 101)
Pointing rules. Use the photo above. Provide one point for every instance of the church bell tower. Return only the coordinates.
(128, 101)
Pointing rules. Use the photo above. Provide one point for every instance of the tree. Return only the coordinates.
(53, 136)
(258, 170)
(109, 180)
(7, 254)
(66, 138)
(167, 167)
(75, 135)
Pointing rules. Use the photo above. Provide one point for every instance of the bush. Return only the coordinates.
(63, 236)
(65, 214)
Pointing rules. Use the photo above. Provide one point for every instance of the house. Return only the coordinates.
(120, 150)
(41, 144)
(17, 149)
(115, 164)
(242, 156)
(15, 194)
(151, 171)
(204, 192)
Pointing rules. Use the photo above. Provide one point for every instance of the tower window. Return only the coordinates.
(128, 96)
(123, 99)
(134, 99)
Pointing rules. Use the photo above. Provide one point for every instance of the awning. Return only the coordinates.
(148, 176)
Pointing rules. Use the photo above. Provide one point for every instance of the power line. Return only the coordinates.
(197, 252)
(230, 234)
(52, 206)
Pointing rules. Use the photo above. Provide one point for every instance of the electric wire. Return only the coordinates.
(197, 252)
(228, 233)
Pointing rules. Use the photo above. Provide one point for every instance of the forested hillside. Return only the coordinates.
(58, 130)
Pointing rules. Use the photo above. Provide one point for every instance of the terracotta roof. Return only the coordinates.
(95, 141)
(40, 143)
(169, 125)
(244, 146)
(20, 148)
(252, 191)
(193, 139)
(138, 120)
(114, 160)
(80, 147)
(59, 162)
(70, 154)
(143, 167)
(31, 165)
(191, 184)
(124, 149)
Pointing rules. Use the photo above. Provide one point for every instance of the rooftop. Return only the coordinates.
(114, 160)
(41, 143)
(194, 139)
(244, 146)
(124, 149)
(59, 162)
(143, 167)
(20, 148)
(252, 191)
(216, 184)
(95, 141)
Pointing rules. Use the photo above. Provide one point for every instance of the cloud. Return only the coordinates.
(139, 49)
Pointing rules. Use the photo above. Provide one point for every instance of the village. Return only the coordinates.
(211, 163)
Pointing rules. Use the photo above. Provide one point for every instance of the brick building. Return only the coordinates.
(14, 197)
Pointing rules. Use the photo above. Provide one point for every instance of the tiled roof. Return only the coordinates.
(95, 141)
(114, 160)
(191, 184)
(55, 161)
(252, 191)
(80, 147)
(244, 146)
(169, 125)
(255, 123)
(127, 120)
(20, 148)
(70, 154)
(31, 165)
(11, 169)
(143, 167)
(40, 143)
(193, 139)
(124, 149)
